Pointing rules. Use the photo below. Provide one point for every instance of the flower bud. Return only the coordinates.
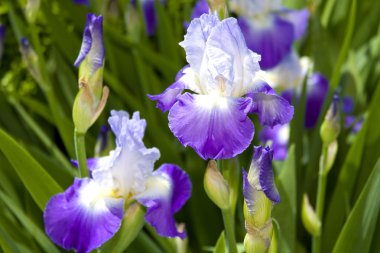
(216, 187)
(309, 218)
(258, 240)
(92, 97)
(332, 150)
(30, 58)
(31, 10)
(330, 127)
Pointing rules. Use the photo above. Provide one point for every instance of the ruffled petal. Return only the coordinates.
(81, 218)
(167, 190)
(271, 108)
(229, 58)
(261, 175)
(272, 40)
(215, 127)
(92, 43)
(299, 19)
(196, 37)
(317, 88)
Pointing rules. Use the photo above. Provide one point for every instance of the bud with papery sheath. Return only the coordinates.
(330, 127)
(216, 187)
(30, 58)
(92, 96)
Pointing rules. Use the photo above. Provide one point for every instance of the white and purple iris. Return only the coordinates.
(212, 117)
(91, 210)
(269, 28)
(260, 177)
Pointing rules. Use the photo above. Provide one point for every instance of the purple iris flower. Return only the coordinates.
(201, 7)
(2, 39)
(213, 118)
(92, 49)
(278, 136)
(150, 15)
(83, 2)
(269, 28)
(91, 210)
(260, 177)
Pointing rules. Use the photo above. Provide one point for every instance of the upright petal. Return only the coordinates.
(167, 190)
(299, 20)
(215, 127)
(271, 38)
(271, 108)
(83, 217)
(229, 57)
(278, 136)
(196, 37)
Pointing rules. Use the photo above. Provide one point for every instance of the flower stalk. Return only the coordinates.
(80, 152)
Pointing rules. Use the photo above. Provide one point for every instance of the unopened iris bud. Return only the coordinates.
(30, 58)
(31, 10)
(330, 127)
(216, 187)
(260, 194)
(309, 218)
(92, 96)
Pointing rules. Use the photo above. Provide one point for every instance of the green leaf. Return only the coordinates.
(220, 246)
(287, 187)
(8, 245)
(358, 231)
(29, 225)
(37, 181)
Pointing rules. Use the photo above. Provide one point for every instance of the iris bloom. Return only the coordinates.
(269, 28)
(212, 117)
(90, 211)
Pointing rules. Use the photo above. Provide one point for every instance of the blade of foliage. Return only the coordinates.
(357, 232)
(220, 246)
(37, 181)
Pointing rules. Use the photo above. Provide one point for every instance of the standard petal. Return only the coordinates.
(272, 40)
(167, 190)
(271, 108)
(215, 127)
(196, 37)
(278, 136)
(299, 20)
(261, 175)
(81, 218)
(229, 58)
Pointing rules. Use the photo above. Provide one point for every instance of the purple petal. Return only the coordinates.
(195, 39)
(2, 39)
(76, 221)
(348, 105)
(83, 2)
(150, 16)
(317, 88)
(166, 99)
(271, 108)
(279, 137)
(167, 191)
(299, 19)
(248, 192)
(272, 41)
(201, 7)
(92, 43)
(215, 127)
(262, 165)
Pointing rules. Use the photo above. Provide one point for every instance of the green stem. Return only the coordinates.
(229, 228)
(80, 151)
(321, 192)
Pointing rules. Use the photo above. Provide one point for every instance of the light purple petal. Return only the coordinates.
(271, 108)
(78, 223)
(167, 191)
(215, 127)
(248, 192)
(317, 88)
(92, 43)
(166, 99)
(299, 19)
(273, 41)
(279, 138)
(196, 37)
(262, 165)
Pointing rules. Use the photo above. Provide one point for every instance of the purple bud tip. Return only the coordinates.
(2, 32)
(24, 43)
